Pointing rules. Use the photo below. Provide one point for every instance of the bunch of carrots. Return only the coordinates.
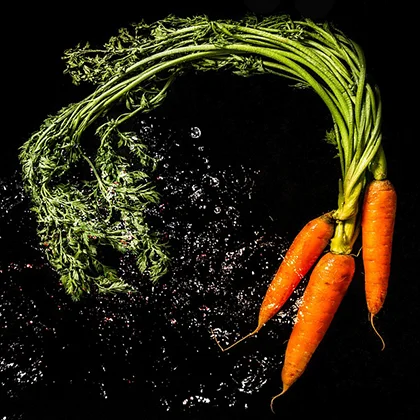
(334, 66)
(331, 276)
(137, 68)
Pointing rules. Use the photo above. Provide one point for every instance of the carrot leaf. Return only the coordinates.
(102, 206)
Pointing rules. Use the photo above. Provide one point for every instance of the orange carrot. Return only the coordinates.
(325, 290)
(299, 259)
(378, 219)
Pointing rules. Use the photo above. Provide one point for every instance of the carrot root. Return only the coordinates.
(285, 388)
(376, 331)
(236, 342)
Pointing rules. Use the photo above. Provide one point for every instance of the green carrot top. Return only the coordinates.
(134, 71)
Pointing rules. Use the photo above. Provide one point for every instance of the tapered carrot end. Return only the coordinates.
(376, 331)
(285, 388)
(236, 342)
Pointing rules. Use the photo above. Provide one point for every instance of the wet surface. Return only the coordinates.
(224, 250)
(239, 174)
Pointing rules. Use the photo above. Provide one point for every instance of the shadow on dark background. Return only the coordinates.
(349, 376)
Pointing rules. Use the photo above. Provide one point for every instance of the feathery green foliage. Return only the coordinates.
(88, 201)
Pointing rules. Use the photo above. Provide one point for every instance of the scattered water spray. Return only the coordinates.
(223, 258)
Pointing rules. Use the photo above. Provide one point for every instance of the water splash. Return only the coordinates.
(155, 342)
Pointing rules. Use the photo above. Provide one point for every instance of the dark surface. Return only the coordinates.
(349, 376)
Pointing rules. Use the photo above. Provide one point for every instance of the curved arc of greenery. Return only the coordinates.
(125, 86)
(332, 65)
(92, 111)
(333, 59)
(304, 75)
(304, 55)
(286, 58)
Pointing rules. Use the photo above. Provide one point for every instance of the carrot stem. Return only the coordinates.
(132, 68)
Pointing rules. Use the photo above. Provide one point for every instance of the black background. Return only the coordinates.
(367, 382)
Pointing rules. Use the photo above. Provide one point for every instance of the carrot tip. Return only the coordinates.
(285, 388)
(376, 332)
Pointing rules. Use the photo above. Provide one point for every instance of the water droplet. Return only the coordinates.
(195, 132)
(217, 240)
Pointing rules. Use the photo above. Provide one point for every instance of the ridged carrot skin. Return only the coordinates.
(302, 254)
(299, 259)
(378, 220)
(326, 288)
